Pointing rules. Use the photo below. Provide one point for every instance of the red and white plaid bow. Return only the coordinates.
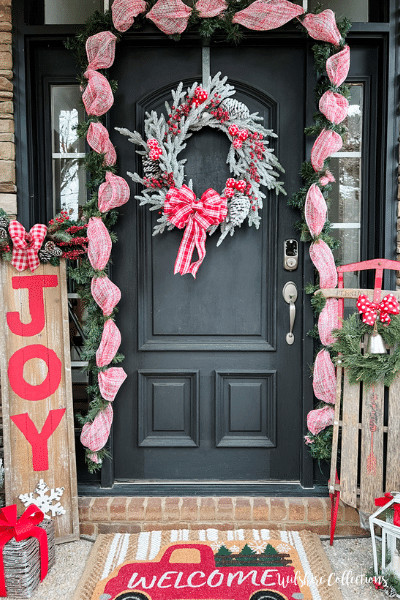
(26, 245)
(369, 310)
(183, 210)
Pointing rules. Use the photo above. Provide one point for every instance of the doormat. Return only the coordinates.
(208, 564)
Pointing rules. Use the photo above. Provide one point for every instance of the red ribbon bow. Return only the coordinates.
(369, 310)
(183, 210)
(26, 245)
(21, 529)
(396, 507)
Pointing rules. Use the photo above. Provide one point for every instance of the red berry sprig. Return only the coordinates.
(164, 180)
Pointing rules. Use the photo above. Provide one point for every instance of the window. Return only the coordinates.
(70, 12)
(356, 10)
(345, 209)
(68, 151)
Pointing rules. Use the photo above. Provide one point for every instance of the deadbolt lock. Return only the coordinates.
(290, 255)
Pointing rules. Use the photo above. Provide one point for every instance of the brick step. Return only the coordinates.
(134, 514)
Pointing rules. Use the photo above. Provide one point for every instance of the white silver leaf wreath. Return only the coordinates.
(238, 159)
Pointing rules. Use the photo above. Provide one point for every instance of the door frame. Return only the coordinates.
(381, 215)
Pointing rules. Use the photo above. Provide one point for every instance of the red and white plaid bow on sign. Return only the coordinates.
(183, 210)
(26, 245)
(369, 310)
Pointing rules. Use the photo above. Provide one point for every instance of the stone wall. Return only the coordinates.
(8, 196)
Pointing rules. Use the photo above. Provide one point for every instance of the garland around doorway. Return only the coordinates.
(95, 51)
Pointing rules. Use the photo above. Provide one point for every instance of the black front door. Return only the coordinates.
(214, 391)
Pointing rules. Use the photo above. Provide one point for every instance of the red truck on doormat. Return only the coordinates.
(192, 571)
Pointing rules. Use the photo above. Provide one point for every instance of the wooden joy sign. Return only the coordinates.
(36, 389)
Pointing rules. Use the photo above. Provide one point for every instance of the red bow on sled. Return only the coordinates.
(183, 210)
(21, 529)
(26, 245)
(369, 310)
(396, 507)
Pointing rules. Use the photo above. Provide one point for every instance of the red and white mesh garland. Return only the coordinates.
(110, 381)
(323, 260)
(106, 294)
(323, 27)
(319, 419)
(328, 321)
(263, 15)
(315, 210)
(99, 140)
(124, 13)
(100, 50)
(110, 342)
(95, 435)
(99, 246)
(334, 106)
(114, 192)
(170, 16)
(210, 8)
(327, 143)
(97, 97)
(324, 378)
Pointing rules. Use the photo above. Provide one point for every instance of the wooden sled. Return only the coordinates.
(366, 430)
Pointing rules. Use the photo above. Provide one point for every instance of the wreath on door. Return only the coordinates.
(251, 162)
(95, 50)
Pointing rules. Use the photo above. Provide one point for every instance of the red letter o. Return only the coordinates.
(16, 372)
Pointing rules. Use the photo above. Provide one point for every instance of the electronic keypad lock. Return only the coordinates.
(291, 255)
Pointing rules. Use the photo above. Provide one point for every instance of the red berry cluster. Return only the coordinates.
(232, 185)
(256, 153)
(76, 241)
(174, 118)
(219, 113)
(239, 135)
(165, 180)
(242, 186)
(61, 219)
(5, 248)
(75, 228)
(155, 149)
(74, 254)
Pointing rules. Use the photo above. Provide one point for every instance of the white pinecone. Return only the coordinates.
(238, 210)
(235, 109)
(151, 168)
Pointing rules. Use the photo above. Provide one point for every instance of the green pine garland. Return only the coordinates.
(368, 368)
(83, 274)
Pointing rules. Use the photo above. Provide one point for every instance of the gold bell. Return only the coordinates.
(376, 345)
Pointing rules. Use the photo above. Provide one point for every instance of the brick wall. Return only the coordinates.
(132, 515)
(8, 197)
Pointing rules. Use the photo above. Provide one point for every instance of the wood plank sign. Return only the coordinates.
(36, 391)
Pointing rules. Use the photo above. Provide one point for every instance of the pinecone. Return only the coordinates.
(49, 251)
(391, 592)
(235, 109)
(3, 233)
(151, 168)
(238, 210)
(4, 222)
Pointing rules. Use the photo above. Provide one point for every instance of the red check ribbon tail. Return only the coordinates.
(193, 236)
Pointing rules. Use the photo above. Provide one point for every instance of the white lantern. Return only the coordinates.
(390, 538)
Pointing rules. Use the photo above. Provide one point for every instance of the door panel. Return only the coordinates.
(214, 391)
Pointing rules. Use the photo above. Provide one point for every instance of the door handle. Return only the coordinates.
(290, 296)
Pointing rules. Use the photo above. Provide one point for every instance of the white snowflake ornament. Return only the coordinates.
(48, 503)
